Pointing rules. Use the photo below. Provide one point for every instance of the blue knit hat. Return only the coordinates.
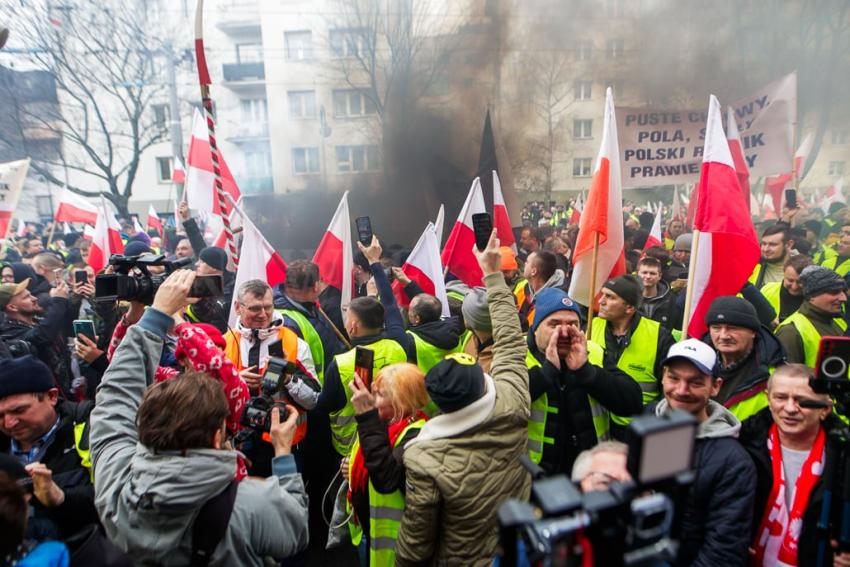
(550, 300)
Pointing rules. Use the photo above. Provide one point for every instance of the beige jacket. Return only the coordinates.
(465, 464)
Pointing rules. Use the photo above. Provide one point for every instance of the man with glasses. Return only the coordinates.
(259, 335)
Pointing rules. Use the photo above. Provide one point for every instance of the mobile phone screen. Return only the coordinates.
(482, 226)
(84, 327)
(207, 286)
(364, 361)
(364, 230)
(81, 277)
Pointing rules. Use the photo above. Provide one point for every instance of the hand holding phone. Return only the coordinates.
(364, 363)
(84, 327)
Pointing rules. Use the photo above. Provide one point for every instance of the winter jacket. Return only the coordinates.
(662, 307)
(331, 345)
(718, 509)
(69, 471)
(567, 390)
(753, 438)
(465, 464)
(196, 238)
(825, 324)
(748, 377)
(148, 501)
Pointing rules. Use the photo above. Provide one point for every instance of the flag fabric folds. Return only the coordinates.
(457, 256)
(423, 266)
(106, 239)
(200, 179)
(334, 254)
(12, 176)
(504, 229)
(73, 208)
(258, 260)
(654, 238)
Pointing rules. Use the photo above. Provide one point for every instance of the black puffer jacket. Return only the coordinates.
(754, 440)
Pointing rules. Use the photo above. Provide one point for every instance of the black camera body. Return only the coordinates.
(258, 411)
(140, 286)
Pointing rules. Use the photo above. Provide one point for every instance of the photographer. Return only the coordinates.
(717, 513)
(465, 462)
(152, 479)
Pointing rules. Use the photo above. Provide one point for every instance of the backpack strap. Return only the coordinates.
(211, 524)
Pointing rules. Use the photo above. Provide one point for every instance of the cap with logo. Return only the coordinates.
(694, 351)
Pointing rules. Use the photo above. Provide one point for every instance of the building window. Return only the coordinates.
(615, 49)
(258, 163)
(163, 169)
(581, 167)
(299, 45)
(160, 116)
(584, 50)
(582, 89)
(357, 158)
(615, 8)
(839, 137)
(305, 160)
(249, 53)
(348, 42)
(582, 129)
(254, 110)
(352, 103)
(836, 168)
(302, 104)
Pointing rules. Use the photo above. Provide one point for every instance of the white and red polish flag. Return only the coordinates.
(12, 176)
(802, 155)
(737, 150)
(501, 221)
(578, 206)
(602, 217)
(178, 171)
(457, 255)
(692, 206)
(154, 221)
(654, 238)
(835, 194)
(776, 185)
(200, 179)
(334, 255)
(676, 207)
(106, 239)
(258, 260)
(73, 208)
(726, 249)
(438, 224)
(137, 226)
(423, 266)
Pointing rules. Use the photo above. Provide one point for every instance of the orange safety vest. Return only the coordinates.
(289, 340)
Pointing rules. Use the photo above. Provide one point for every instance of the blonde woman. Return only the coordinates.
(387, 418)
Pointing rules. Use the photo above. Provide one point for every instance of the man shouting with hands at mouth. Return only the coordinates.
(571, 394)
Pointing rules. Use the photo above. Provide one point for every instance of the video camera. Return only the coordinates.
(140, 286)
(628, 524)
(257, 414)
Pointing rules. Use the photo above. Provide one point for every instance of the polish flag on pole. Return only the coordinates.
(88, 232)
(200, 179)
(334, 254)
(692, 205)
(776, 185)
(438, 224)
(22, 228)
(178, 171)
(676, 207)
(154, 221)
(598, 253)
(12, 176)
(734, 138)
(802, 154)
(504, 229)
(106, 239)
(73, 208)
(654, 238)
(457, 256)
(258, 260)
(835, 194)
(575, 218)
(725, 248)
(423, 266)
(137, 226)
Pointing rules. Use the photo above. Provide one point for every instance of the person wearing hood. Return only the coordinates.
(571, 394)
(747, 354)
(465, 462)
(717, 515)
(157, 464)
(212, 261)
(540, 272)
(659, 301)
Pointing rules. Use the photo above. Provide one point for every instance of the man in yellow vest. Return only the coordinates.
(787, 296)
(824, 294)
(776, 245)
(541, 272)
(49, 436)
(633, 343)
(841, 261)
(571, 394)
(747, 353)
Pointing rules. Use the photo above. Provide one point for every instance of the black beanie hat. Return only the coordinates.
(731, 310)
(628, 287)
(24, 375)
(455, 382)
(214, 257)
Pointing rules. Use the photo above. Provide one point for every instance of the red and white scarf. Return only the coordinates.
(779, 532)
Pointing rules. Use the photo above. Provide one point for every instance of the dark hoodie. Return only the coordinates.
(443, 334)
(662, 307)
(748, 377)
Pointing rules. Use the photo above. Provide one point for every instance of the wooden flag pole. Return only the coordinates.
(592, 296)
(689, 291)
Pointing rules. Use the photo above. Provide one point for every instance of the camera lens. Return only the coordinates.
(833, 367)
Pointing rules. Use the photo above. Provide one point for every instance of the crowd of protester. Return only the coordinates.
(132, 446)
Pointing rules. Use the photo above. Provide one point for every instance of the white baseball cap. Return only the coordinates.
(694, 351)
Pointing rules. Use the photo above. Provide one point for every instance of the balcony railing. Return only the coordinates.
(244, 71)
